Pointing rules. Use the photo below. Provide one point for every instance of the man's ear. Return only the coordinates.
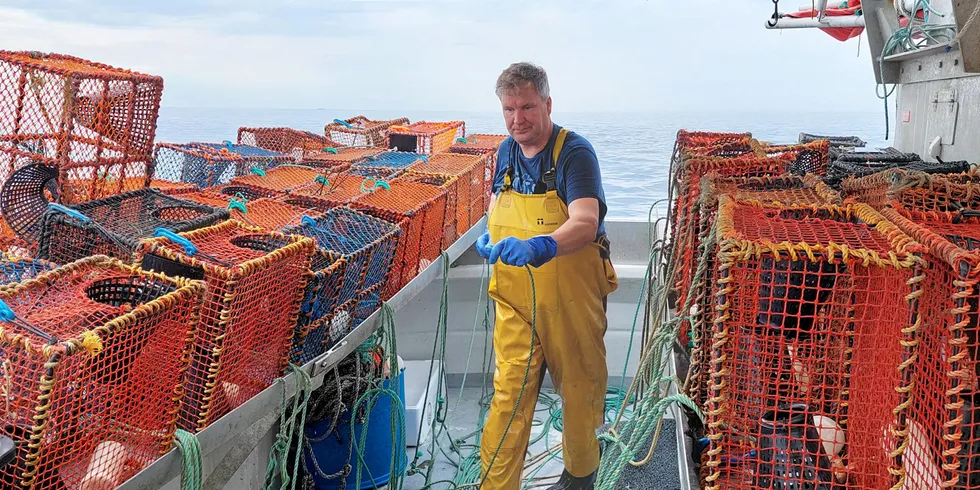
(549, 105)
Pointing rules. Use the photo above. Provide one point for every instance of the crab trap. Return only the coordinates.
(354, 253)
(810, 348)
(360, 131)
(427, 138)
(114, 226)
(474, 176)
(255, 282)
(94, 360)
(286, 141)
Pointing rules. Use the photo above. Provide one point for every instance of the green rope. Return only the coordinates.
(190, 451)
(287, 426)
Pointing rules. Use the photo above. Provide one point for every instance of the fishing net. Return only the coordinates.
(286, 178)
(391, 159)
(354, 253)
(114, 226)
(786, 191)
(425, 206)
(376, 173)
(809, 158)
(915, 190)
(863, 163)
(478, 144)
(286, 141)
(808, 348)
(255, 282)
(361, 131)
(200, 166)
(839, 141)
(25, 196)
(457, 209)
(473, 173)
(427, 138)
(942, 443)
(94, 359)
(685, 217)
(90, 121)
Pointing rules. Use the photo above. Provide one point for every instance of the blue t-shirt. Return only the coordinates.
(576, 176)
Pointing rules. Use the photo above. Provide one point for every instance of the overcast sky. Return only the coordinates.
(612, 55)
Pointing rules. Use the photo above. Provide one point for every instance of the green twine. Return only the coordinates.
(190, 451)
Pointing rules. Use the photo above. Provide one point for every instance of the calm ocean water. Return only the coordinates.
(633, 149)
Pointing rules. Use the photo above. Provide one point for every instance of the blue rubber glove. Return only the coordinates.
(483, 245)
(535, 251)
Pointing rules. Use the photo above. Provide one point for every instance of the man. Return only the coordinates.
(547, 212)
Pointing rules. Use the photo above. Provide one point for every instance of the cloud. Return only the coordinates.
(708, 55)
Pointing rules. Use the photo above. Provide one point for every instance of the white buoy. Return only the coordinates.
(105, 467)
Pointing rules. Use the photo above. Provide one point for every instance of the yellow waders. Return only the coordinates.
(570, 321)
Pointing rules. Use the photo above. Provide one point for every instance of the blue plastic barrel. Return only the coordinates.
(331, 452)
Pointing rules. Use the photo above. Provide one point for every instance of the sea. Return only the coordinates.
(633, 148)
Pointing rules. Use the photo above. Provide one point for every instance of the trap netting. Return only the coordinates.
(685, 216)
(474, 175)
(114, 226)
(92, 122)
(809, 158)
(94, 357)
(688, 143)
(478, 144)
(916, 190)
(425, 207)
(942, 441)
(255, 281)
(786, 191)
(340, 158)
(14, 269)
(457, 208)
(400, 160)
(341, 188)
(360, 131)
(813, 325)
(286, 178)
(200, 166)
(286, 141)
(862, 163)
(842, 172)
(838, 141)
(354, 252)
(425, 137)
(376, 173)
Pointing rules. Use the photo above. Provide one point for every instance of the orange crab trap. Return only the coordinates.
(255, 282)
(478, 144)
(915, 189)
(94, 357)
(809, 158)
(685, 215)
(114, 226)
(427, 138)
(340, 188)
(942, 438)
(786, 191)
(354, 253)
(286, 141)
(425, 207)
(457, 210)
(472, 172)
(811, 337)
(14, 269)
(87, 120)
(286, 178)
(339, 158)
(361, 131)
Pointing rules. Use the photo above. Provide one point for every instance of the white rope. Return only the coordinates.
(967, 25)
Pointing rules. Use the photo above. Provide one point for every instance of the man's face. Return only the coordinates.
(527, 115)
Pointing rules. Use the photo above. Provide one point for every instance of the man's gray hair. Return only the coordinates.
(519, 74)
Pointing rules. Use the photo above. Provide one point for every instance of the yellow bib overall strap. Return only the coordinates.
(567, 304)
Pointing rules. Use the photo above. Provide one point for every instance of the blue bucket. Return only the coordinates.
(331, 451)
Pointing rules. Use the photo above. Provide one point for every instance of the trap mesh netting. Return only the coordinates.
(200, 166)
(771, 192)
(474, 176)
(916, 190)
(389, 159)
(255, 281)
(354, 253)
(809, 341)
(685, 216)
(94, 356)
(92, 122)
(942, 441)
(478, 144)
(457, 216)
(360, 131)
(340, 158)
(425, 137)
(425, 207)
(14, 269)
(114, 226)
(286, 141)
(288, 178)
